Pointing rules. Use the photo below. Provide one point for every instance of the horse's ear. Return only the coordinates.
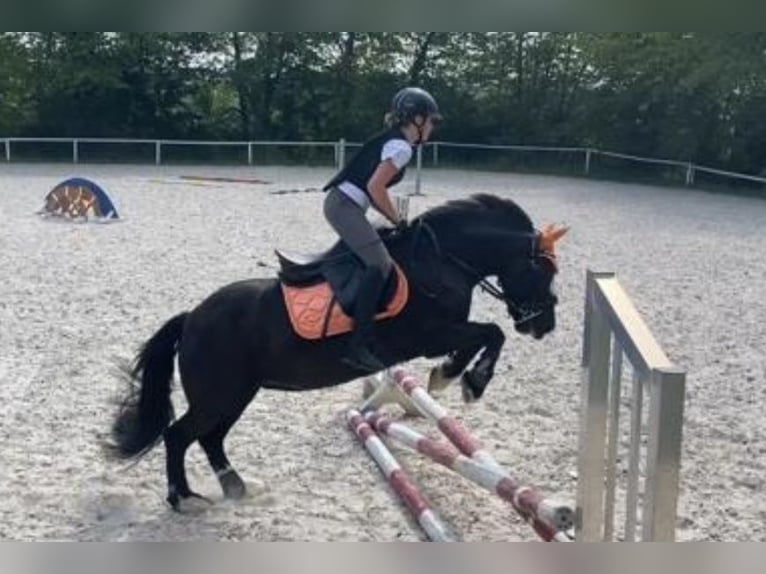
(550, 235)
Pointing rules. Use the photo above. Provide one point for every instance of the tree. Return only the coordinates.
(15, 111)
(691, 96)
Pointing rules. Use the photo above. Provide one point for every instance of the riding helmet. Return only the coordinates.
(411, 102)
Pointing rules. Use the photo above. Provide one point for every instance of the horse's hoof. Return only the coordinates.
(233, 486)
(471, 390)
(193, 503)
(468, 396)
(437, 381)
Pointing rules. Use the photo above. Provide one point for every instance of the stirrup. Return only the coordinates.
(363, 359)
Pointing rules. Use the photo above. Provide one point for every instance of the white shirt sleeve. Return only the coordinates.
(398, 151)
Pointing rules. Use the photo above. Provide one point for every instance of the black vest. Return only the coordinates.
(364, 163)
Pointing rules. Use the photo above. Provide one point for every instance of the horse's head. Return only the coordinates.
(487, 235)
(527, 285)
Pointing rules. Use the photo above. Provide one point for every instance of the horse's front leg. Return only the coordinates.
(462, 343)
(476, 380)
(448, 370)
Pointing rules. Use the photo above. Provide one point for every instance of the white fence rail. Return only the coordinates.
(588, 155)
(159, 145)
(339, 152)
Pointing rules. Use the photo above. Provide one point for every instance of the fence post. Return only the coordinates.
(593, 417)
(157, 152)
(419, 169)
(436, 153)
(689, 174)
(8, 151)
(663, 454)
(341, 156)
(634, 458)
(75, 152)
(249, 153)
(587, 161)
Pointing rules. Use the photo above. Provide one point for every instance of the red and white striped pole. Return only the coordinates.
(404, 487)
(449, 426)
(499, 483)
(549, 518)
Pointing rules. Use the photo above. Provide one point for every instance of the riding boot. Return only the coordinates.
(359, 354)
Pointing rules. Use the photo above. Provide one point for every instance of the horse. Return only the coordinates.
(240, 339)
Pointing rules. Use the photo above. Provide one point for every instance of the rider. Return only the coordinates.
(364, 182)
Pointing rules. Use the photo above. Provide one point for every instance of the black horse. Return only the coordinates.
(240, 339)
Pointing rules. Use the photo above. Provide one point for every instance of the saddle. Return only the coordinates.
(319, 291)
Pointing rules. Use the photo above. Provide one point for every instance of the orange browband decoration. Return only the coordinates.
(549, 236)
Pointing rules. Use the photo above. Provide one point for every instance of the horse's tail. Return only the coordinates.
(147, 410)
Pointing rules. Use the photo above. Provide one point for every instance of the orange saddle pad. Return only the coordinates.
(314, 314)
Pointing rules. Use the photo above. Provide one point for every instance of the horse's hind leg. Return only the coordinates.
(178, 437)
(212, 443)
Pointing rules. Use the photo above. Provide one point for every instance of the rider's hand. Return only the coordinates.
(401, 225)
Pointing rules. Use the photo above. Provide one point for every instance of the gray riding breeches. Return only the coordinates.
(350, 223)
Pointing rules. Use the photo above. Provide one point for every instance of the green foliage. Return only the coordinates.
(15, 112)
(691, 96)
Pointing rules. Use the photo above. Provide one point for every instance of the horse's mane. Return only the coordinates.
(488, 209)
(481, 204)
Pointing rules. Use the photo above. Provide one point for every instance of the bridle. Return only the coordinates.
(531, 309)
(521, 312)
